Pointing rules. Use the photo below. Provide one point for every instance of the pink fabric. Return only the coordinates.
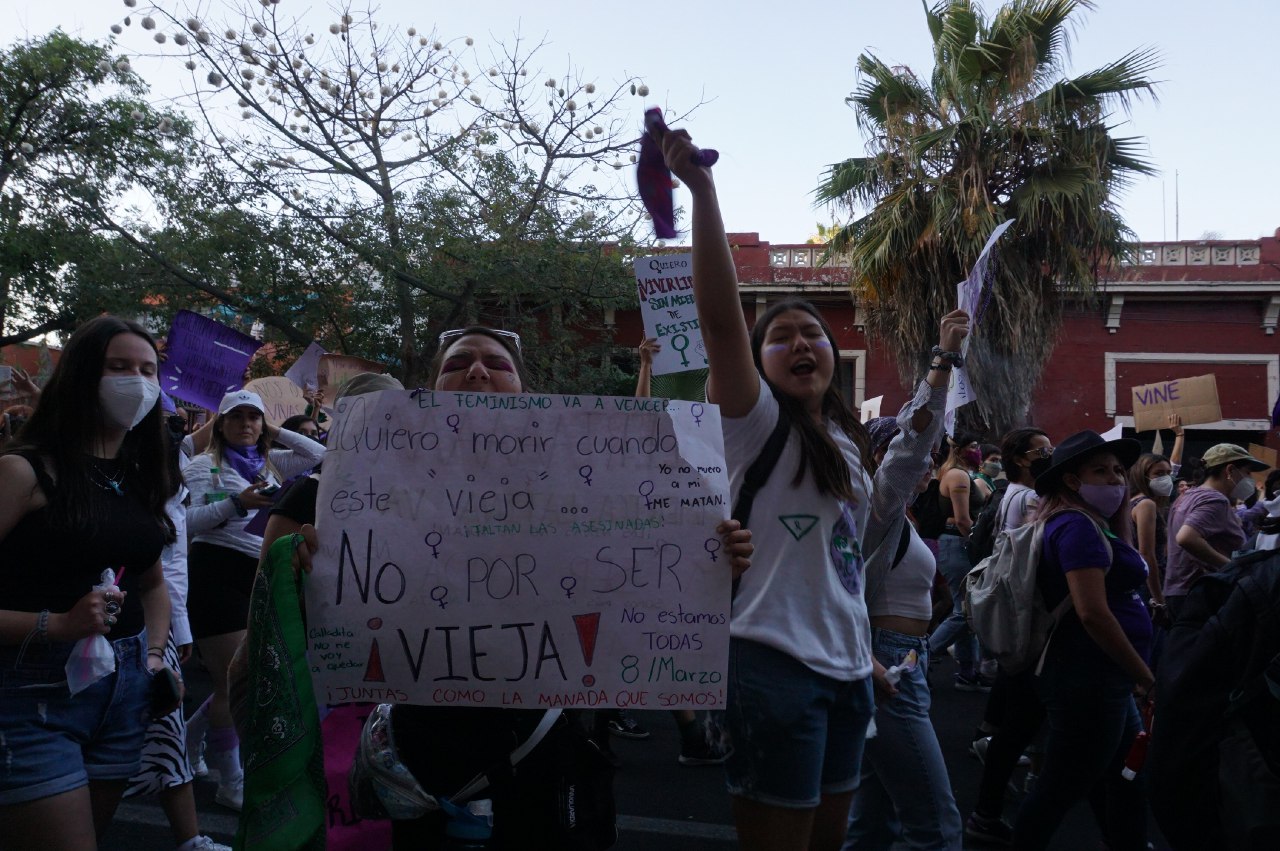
(340, 730)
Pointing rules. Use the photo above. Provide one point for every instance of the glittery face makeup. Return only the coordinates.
(478, 363)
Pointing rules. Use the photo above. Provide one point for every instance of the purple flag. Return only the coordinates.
(204, 359)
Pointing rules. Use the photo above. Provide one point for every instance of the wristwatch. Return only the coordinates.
(241, 511)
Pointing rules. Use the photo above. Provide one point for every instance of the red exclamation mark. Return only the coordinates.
(373, 670)
(588, 628)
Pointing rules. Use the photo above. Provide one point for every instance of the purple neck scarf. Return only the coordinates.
(654, 180)
(245, 460)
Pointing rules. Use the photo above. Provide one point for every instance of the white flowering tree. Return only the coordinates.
(435, 180)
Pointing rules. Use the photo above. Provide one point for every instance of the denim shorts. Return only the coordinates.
(51, 742)
(797, 735)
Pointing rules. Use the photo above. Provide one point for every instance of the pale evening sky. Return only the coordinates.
(775, 76)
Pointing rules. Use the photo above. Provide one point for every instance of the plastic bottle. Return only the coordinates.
(469, 829)
(216, 492)
(1137, 756)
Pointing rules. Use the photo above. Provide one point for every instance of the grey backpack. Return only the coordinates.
(1003, 603)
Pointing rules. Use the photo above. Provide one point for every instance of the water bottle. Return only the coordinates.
(468, 829)
(216, 492)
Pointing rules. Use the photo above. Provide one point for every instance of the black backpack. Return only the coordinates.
(931, 517)
(1214, 759)
(982, 537)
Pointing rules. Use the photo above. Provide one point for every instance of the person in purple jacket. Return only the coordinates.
(1097, 656)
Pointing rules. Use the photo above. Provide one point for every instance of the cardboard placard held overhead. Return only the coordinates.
(280, 396)
(335, 371)
(664, 285)
(870, 409)
(1194, 399)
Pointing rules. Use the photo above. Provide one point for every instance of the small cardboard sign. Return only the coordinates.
(664, 287)
(336, 370)
(280, 396)
(1266, 455)
(870, 409)
(1194, 399)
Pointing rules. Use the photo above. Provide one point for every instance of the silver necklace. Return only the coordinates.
(102, 480)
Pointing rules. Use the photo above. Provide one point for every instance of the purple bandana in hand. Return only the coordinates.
(654, 179)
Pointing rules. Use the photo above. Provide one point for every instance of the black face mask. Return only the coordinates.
(177, 428)
(1039, 466)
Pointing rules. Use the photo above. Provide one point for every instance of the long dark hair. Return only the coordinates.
(68, 419)
(818, 452)
(1013, 446)
(1139, 481)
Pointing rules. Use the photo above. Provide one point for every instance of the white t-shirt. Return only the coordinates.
(803, 594)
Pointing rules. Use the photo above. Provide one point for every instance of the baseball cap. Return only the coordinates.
(1229, 453)
(241, 398)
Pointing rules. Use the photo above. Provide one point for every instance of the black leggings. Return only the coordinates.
(1017, 713)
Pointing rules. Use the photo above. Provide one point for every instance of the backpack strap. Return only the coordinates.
(759, 471)
(481, 781)
(1067, 604)
(903, 542)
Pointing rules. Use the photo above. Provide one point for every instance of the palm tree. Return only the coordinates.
(998, 131)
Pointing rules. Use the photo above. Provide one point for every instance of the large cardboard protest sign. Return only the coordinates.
(1194, 399)
(204, 359)
(664, 284)
(334, 371)
(280, 396)
(521, 550)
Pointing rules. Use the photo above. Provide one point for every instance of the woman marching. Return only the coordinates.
(82, 524)
(904, 778)
(234, 476)
(1098, 654)
(800, 662)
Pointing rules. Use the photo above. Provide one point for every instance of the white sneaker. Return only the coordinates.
(199, 767)
(231, 793)
(202, 843)
(196, 727)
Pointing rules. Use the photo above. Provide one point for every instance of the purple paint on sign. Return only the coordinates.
(204, 359)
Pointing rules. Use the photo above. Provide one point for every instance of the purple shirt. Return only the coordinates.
(1210, 514)
(1072, 542)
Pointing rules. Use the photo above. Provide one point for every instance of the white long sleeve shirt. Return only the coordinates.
(217, 522)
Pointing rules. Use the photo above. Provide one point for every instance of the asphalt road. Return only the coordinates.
(661, 804)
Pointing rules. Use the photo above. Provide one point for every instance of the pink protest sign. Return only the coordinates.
(204, 359)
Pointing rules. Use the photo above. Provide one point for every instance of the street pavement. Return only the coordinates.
(661, 804)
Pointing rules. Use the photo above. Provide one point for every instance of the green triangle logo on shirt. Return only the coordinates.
(798, 525)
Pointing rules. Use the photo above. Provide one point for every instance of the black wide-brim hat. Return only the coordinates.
(1079, 446)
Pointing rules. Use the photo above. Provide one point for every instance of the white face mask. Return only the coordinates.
(1161, 485)
(1244, 488)
(126, 399)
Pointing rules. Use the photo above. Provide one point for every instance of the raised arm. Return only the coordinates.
(648, 348)
(715, 287)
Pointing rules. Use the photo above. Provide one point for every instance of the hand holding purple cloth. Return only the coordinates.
(653, 178)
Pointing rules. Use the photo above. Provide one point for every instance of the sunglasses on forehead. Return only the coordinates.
(447, 336)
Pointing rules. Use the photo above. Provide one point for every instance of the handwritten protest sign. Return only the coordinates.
(280, 396)
(204, 359)
(972, 295)
(335, 371)
(664, 284)
(305, 369)
(1194, 399)
(521, 550)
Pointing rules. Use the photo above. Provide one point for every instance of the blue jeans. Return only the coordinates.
(905, 791)
(797, 735)
(51, 742)
(1092, 723)
(953, 562)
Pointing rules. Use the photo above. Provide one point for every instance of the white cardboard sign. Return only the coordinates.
(664, 286)
(521, 550)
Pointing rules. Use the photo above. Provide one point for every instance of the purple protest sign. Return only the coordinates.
(204, 359)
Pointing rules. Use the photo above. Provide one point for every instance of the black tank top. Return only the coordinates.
(46, 566)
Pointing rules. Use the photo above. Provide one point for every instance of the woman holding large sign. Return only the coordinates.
(801, 640)
(82, 637)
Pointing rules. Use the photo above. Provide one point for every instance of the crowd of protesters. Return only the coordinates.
(125, 535)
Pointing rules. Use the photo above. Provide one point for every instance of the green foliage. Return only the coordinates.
(997, 131)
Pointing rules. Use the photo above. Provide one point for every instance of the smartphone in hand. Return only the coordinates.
(166, 692)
